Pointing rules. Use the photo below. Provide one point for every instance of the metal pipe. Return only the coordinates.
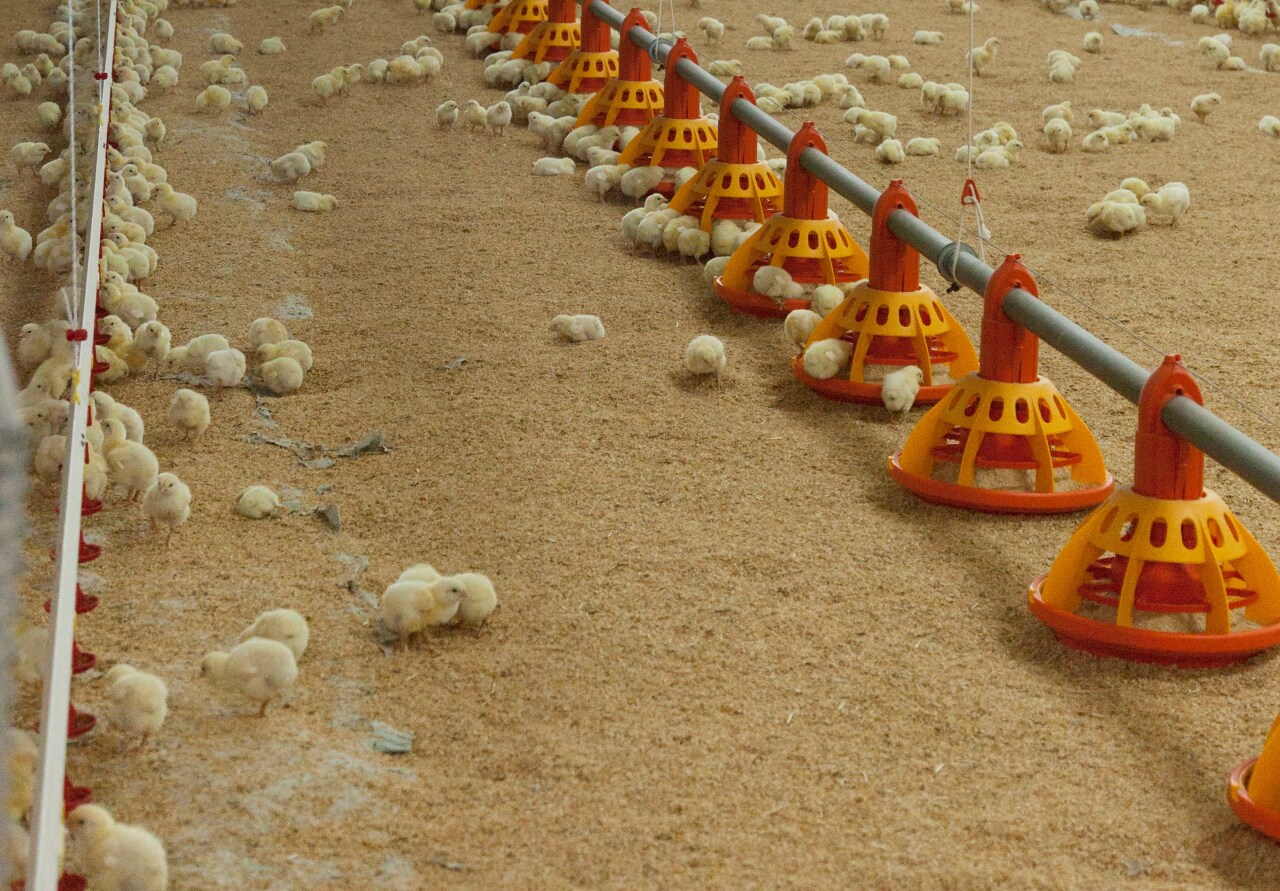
(1215, 437)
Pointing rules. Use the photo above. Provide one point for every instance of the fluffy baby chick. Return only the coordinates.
(257, 502)
(776, 282)
(214, 97)
(1169, 202)
(266, 330)
(167, 503)
(114, 856)
(899, 388)
(447, 114)
(189, 412)
(291, 349)
(799, 325)
(479, 598)
(285, 626)
(139, 701)
(132, 464)
(498, 116)
(824, 359)
(410, 606)
(258, 670)
(23, 755)
(225, 368)
(1204, 104)
(15, 242)
(271, 46)
(178, 206)
(15, 844)
(313, 202)
(28, 155)
(152, 340)
(281, 376)
(475, 116)
(291, 167)
(198, 350)
(255, 99)
(578, 328)
(705, 355)
(419, 572)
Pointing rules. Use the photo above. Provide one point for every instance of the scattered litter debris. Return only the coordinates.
(320, 457)
(454, 364)
(389, 740)
(445, 863)
(330, 514)
(1134, 868)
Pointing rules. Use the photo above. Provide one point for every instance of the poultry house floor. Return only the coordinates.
(730, 653)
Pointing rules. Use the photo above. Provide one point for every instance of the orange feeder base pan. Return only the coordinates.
(997, 501)
(842, 389)
(1142, 645)
(1249, 811)
(752, 304)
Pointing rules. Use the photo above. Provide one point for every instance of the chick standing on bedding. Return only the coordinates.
(578, 329)
(479, 598)
(139, 701)
(266, 330)
(189, 412)
(409, 606)
(114, 856)
(132, 464)
(705, 355)
(167, 503)
(257, 502)
(259, 670)
(899, 388)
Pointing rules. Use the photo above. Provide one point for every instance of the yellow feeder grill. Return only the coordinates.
(1254, 788)
(1004, 418)
(632, 98)
(813, 249)
(518, 16)
(733, 185)
(680, 136)
(1164, 545)
(591, 66)
(890, 319)
(555, 38)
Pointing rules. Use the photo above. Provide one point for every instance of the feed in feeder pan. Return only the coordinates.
(804, 240)
(1005, 440)
(891, 321)
(1162, 572)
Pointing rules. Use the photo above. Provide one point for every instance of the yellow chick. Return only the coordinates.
(114, 855)
(409, 607)
(286, 626)
(139, 701)
(258, 670)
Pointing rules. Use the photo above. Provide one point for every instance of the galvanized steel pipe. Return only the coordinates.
(1219, 440)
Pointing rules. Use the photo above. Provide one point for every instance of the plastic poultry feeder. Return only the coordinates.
(1254, 788)
(734, 185)
(78, 723)
(803, 240)
(81, 660)
(73, 796)
(632, 98)
(680, 136)
(518, 17)
(1164, 545)
(553, 39)
(593, 64)
(891, 320)
(85, 603)
(1004, 424)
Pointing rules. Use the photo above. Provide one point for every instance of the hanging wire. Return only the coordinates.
(71, 300)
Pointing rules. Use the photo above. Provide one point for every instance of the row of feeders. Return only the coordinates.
(1160, 572)
(518, 17)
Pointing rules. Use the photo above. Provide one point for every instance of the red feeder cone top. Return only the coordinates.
(591, 66)
(1007, 441)
(1164, 464)
(895, 265)
(553, 39)
(680, 136)
(632, 98)
(806, 195)
(733, 185)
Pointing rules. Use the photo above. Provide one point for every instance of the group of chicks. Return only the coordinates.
(422, 598)
(1127, 208)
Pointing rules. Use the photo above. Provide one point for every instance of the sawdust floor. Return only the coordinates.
(731, 653)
